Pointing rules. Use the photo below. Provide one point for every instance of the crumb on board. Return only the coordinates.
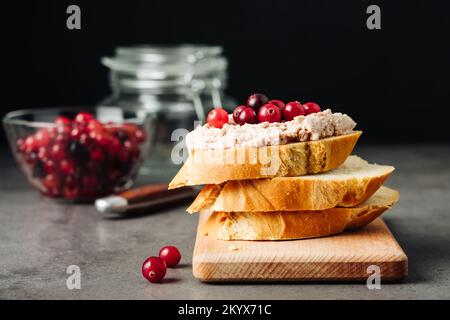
(233, 248)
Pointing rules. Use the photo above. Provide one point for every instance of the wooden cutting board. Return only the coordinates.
(343, 257)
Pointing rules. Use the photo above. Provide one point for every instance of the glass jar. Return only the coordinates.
(176, 85)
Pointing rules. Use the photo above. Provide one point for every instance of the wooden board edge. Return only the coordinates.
(337, 271)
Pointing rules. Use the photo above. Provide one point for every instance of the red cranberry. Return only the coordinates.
(280, 104)
(247, 115)
(93, 166)
(256, 101)
(217, 117)
(58, 152)
(140, 135)
(30, 144)
(122, 135)
(93, 135)
(132, 148)
(53, 132)
(43, 153)
(154, 269)
(62, 137)
(270, 113)
(85, 139)
(42, 138)
(311, 107)
(123, 155)
(97, 155)
(67, 167)
(292, 110)
(88, 189)
(128, 144)
(237, 112)
(30, 157)
(83, 118)
(131, 128)
(49, 166)
(63, 121)
(94, 125)
(171, 255)
(76, 133)
(51, 183)
(94, 132)
(89, 194)
(135, 134)
(113, 175)
(113, 146)
(89, 182)
(71, 193)
(102, 139)
(63, 130)
(70, 182)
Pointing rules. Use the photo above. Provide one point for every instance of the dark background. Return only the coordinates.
(394, 82)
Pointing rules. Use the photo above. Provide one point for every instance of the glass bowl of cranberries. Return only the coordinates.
(78, 154)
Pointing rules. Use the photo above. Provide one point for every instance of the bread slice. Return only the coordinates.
(289, 225)
(347, 186)
(289, 160)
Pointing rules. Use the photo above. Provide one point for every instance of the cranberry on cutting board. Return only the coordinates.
(171, 255)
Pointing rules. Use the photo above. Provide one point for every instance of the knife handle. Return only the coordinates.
(149, 191)
(144, 198)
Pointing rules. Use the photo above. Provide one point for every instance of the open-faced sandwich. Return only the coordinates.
(275, 171)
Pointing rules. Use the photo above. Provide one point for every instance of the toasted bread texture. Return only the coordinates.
(243, 163)
(346, 186)
(289, 225)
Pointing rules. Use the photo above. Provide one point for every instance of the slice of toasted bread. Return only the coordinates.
(346, 186)
(289, 225)
(289, 160)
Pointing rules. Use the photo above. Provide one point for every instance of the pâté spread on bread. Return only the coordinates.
(314, 126)
(266, 138)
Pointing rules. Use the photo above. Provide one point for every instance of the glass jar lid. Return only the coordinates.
(168, 63)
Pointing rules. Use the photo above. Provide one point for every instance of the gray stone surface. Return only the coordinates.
(40, 238)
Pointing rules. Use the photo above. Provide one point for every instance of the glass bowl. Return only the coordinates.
(78, 153)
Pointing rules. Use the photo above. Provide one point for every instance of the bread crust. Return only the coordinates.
(289, 225)
(242, 163)
(347, 186)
